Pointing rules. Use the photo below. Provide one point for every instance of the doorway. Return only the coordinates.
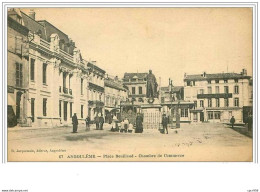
(201, 116)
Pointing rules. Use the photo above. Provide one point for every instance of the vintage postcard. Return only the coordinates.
(130, 84)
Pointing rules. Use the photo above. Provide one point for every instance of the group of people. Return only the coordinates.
(127, 126)
(99, 121)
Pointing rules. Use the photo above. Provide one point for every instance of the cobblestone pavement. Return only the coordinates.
(192, 142)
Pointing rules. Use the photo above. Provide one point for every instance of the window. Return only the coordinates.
(201, 103)
(19, 74)
(100, 97)
(195, 116)
(226, 103)
(209, 102)
(70, 109)
(217, 89)
(225, 81)
(162, 99)
(216, 81)
(59, 108)
(32, 108)
(217, 102)
(188, 83)
(209, 90)
(236, 80)
(184, 112)
(225, 89)
(81, 86)
(44, 73)
(210, 114)
(133, 90)
(217, 115)
(32, 69)
(236, 102)
(82, 111)
(201, 91)
(209, 81)
(195, 104)
(44, 107)
(140, 90)
(194, 83)
(236, 89)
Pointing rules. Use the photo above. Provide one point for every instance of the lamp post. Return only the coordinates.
(177, 114)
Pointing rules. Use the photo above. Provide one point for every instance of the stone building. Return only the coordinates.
(57, 81)
(172, 99)
(218, 97)
(96, 91)
(17, 68)
(115, 94)
(136, 84)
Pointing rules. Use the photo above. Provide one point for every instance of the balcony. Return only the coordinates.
(96, 103)
(65, 90)
(216, 95)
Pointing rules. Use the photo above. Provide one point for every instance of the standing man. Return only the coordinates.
(164, 123)
(232, 121)
(75, 123)
(97, 122)
(87, 123)
(101, 122)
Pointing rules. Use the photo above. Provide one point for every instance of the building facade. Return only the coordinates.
(17, 68)
(136, 84)
(218, 97)
(96, 91)
(115, 94)
(53, 79)
(173, 103)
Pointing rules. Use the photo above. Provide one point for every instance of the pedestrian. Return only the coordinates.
(97, 122)
(232, 121)
(87, 123)
(165, 123)
(75, 123)
(101, 122)
(139, 123)
(126, 124)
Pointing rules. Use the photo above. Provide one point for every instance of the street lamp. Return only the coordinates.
(177, 116)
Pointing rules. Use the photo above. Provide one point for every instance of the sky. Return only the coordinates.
(169, 41)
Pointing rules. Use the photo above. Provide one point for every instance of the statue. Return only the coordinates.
(151, 88)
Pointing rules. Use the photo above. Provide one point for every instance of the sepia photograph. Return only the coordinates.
(164, 84)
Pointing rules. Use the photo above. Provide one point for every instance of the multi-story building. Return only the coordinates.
(115, 93)
(136, 84)
(17, 82)
(218, 97)
(172, 99)
(57, 75)
(96, 90)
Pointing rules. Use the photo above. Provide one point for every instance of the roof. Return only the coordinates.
(51, 29)
(33, 25)
(200, 77)
(91, 65)
(138, 75)
(114, 84)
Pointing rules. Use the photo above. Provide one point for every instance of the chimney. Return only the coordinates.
(32, 14)
(244, 72)
(204, 74)
(185, 75)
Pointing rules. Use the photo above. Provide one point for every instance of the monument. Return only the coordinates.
(151, 108)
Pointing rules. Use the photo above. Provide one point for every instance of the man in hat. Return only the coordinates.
(165, 123)
(75, 123)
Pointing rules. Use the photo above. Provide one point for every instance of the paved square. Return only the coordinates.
(192, 142)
